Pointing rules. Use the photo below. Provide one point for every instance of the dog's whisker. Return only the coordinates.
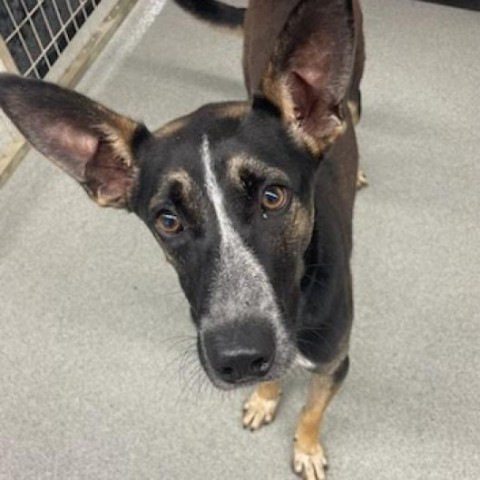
(188, 365)
(195, 380)
(182, 358)
(169, 363)
(185, 387)
(177, 340)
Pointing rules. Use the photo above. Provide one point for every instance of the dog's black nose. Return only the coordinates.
(240, 353)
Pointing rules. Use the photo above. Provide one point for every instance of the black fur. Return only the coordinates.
(215, 12)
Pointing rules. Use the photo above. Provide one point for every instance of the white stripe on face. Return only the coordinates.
(241, 288)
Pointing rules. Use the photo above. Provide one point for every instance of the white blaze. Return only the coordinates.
(241, 288)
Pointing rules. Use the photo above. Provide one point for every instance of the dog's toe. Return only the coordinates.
(362, 180)
(310, 465)
(259, 411)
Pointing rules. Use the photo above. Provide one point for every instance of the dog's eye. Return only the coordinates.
(169, 223)
(274, 198)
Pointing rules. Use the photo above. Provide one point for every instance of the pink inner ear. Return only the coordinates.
(71, 147)
(310, 71)
(313, 106)
(313, 64)
(301, 95)
(305, 87)
(108, 177)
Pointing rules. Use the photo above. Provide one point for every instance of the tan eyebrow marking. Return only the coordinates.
(233, 110)
(180, 177)
(240, 163)
(171, 128)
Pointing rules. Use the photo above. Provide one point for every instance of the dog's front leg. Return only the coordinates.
(309, 459)
(262, 405)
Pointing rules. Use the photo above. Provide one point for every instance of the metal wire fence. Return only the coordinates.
(36, 32)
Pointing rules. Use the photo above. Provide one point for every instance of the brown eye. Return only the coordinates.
(169, 223)
(274, 198)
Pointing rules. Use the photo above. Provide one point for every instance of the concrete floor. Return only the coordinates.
(93, 326)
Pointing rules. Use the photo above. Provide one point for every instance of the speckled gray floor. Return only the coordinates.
(93, 327)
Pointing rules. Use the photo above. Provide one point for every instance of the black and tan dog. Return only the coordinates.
(251, 201)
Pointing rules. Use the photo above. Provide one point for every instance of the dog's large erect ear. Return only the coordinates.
(306, 70)
(91, 143)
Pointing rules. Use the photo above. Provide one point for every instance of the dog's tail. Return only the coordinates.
(216, 13)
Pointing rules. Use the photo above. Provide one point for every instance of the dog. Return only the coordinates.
(251, 201)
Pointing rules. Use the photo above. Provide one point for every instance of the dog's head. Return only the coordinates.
(228, 191)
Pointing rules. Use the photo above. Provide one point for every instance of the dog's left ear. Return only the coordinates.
(309, 70)
(89, 142)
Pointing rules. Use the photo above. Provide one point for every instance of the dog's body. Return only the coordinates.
(252, 203)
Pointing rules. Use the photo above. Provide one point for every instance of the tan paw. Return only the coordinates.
(354, 112)
(362, 180)
(310, 465)
(259, 411)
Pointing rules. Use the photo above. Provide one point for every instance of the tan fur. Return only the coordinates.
(101, 201)
(119, 134)
(241, 163)
(262, 405)
(309, 458)
(355, 114)
(299, 229)
(181, 177)
(308, 426)
(362, 180)
(276, 90)
(233, 110)
(171, 128)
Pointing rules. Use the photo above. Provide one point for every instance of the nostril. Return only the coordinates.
(244, 367)
(259, 366)
(227, 374)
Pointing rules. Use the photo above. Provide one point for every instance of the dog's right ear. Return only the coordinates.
(91, 143)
